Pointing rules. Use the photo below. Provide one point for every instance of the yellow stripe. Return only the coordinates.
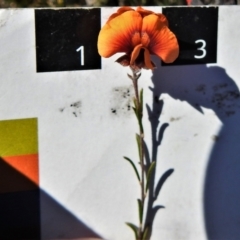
(18, 137)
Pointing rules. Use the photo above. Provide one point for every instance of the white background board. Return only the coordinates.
(81, 165)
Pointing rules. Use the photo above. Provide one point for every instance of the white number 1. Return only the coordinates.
(81, 50)
(202, 48)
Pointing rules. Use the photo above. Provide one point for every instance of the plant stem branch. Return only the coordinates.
(139, 114)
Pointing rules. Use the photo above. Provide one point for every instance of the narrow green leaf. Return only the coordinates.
(138, 76)
(140, 125)
(139, 118)
(141, 99)
(138, 138)
(149, 174)
(135, 103)
(141, 110)
(146, 233)
(134, 167)
(135, 111)
(138, 112)
(130, 76)
(134, 228)
(136, 108)
(140, 210)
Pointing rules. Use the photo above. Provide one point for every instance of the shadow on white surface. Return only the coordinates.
(212, 88)
(58, 223)
(28, 212)
(151, 155)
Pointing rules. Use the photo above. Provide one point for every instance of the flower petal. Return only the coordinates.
(148, 63)
(163, 42)
(124, 60)
(143, 12)
(162, 19)
(135, 53)
(120, 34)
(119, 12)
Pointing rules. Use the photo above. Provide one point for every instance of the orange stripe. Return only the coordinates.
(26, 165)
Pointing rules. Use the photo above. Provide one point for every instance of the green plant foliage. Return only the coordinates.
(134, 228)
(140, 210)
(134, 167)
(149, 174)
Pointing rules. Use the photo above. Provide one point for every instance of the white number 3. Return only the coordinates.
(202, 48)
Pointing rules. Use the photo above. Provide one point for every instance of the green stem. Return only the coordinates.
(139, 110)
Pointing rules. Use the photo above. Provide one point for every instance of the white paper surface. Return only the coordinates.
(81, 147)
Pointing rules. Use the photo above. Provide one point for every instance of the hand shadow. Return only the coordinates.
(212, 88)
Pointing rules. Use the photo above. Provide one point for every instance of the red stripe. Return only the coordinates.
(26, 165)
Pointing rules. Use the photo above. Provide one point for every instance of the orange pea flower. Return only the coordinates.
(138, 33)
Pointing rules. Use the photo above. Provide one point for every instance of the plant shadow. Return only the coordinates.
(157, 133)
(211, 88)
